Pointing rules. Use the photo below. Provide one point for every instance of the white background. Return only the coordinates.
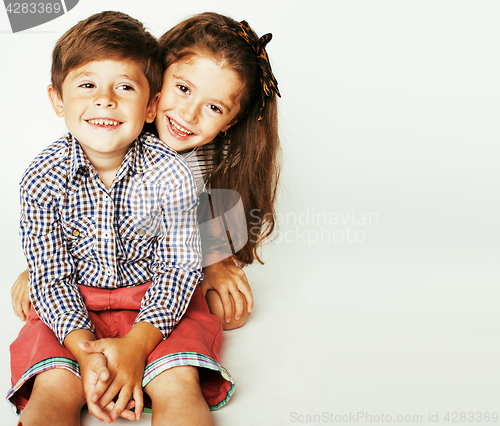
(381, 294)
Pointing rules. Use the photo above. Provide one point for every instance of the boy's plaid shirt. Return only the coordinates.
(76, 232)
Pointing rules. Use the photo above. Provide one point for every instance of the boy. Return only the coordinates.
(108, 222)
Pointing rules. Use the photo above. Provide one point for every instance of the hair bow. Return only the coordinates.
(267, 79)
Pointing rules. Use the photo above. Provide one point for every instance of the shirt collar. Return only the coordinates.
(137, 159)
(77, 160)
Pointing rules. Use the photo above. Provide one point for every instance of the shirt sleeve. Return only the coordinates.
(53, 289)
(177, 259)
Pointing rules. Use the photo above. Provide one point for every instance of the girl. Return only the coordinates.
(218, 104)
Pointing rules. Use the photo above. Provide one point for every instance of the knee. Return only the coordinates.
(217, 309)
(174, 380)
(59, 385)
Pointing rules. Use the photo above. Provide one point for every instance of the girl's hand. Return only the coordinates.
(20, 296)
(231, 284)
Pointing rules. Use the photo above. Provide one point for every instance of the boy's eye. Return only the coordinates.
(182, 88)
(125, 87)
(87, 85)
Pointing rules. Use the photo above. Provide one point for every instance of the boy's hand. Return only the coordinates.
(93, 368)
(126, 371)
(229, 281)
(20, 296)
(126, 358)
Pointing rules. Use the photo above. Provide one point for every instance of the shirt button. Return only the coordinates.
(141, 232)
(106, 235)
(75, 232)
(109, 272)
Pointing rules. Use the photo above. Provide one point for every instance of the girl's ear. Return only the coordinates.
(227, 126)
(56, 101)
(152, 107)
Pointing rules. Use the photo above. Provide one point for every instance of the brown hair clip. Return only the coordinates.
(267, 79)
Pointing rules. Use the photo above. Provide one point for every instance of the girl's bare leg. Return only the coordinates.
(177, 398)
(57, 400)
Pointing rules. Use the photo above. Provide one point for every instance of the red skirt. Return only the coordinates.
(195, 341)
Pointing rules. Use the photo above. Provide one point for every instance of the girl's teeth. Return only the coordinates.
(101, 122)
(181, 129)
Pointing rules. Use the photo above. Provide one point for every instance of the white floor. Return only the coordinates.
(345, 332)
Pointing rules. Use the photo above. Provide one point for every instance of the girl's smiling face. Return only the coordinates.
(199, 98)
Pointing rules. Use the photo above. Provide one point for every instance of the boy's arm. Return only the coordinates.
(53, 290)
(176, 263)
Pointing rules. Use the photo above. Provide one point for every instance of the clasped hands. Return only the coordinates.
(112, 370)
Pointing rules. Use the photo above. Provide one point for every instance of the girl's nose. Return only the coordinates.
(104, 98)
(188, 112)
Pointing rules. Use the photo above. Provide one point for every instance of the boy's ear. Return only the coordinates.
(56, 101)
(152, 107)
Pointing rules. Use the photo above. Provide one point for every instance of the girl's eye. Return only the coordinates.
(125, 87)
(182, 88)
(215, 108)
(87, 85)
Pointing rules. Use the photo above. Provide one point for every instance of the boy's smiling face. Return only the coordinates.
(105, 104)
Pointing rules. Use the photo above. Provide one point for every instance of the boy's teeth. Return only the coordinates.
(181, 129)
(101, 122)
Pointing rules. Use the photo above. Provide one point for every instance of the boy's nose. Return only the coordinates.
(104, 99)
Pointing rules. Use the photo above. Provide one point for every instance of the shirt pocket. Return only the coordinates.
(138, 235)
(80, 237)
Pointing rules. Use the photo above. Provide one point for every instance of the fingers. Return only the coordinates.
(205, 286)
(120, 405)
(239, 304)
(20, 296)
(99, 389)
(104, 393)
(19, 308)
(231, 284)
(227, 304)
(98, 412)
(247, 292)
(127, 413)
(139, 402)
(241, 292)
(123, 405)
(92, 346)
(25, 309)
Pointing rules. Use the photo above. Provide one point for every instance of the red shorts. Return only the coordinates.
(195, 341)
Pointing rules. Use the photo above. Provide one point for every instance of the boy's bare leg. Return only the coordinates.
(177, 398)
(57, 399)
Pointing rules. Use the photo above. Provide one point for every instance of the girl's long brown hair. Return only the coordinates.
(251, 165)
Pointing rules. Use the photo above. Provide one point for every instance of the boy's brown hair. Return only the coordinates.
(107, 35)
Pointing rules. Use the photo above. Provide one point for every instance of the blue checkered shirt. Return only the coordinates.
(77, 232)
